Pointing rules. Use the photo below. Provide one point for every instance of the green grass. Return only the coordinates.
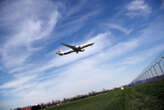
(148, 96)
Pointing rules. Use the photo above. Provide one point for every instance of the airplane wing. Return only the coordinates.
(70, 46)
(86, 45)
(67, 52)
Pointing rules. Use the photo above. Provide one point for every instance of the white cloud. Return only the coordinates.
(76, 23)
(153, 33)
(17, 82)
(120, 28)
(138, 8)
(20, 68)
(123, 47)
(29, 29)
(132, 60)
(155, 50)
(75, 9)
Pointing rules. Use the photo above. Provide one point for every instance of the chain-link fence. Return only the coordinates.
(155, 71)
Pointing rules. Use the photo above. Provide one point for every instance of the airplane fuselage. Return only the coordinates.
(78, 49)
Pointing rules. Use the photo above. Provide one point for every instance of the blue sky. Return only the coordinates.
(128, 35)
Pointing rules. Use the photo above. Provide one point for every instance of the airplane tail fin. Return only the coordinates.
(59, 51)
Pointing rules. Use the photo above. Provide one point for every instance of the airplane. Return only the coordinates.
(76, 49)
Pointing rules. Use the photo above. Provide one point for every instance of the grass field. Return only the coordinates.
(148, 96)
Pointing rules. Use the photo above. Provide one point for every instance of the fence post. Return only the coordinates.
(160, 67)
(151, 73)
(155, 69)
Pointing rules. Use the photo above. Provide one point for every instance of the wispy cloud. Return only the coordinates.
(153, 32)
(138, 8)
(120, 28)
(17, 82)
(77, 8)
(19, 45)
(74, 24)
(132, 60)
